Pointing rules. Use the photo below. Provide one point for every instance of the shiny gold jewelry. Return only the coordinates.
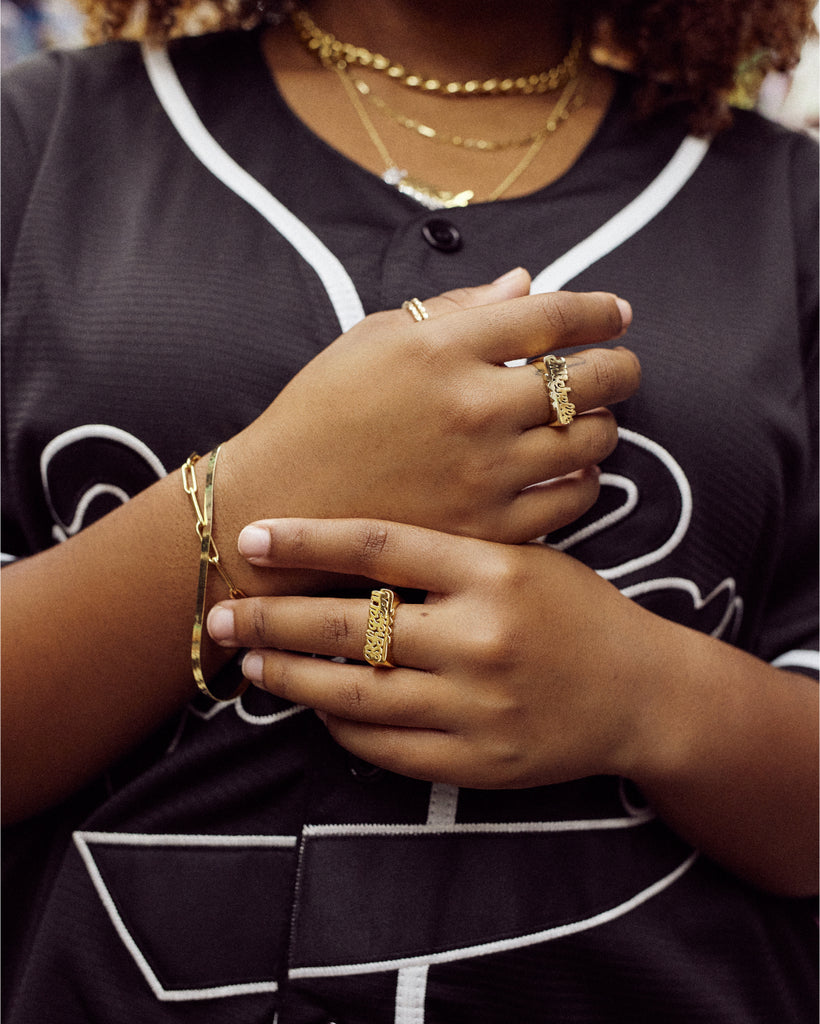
(554, 370)
(379, 635)
(333, 52)
(431, 196)
(428, 132)
(415, 307)
(435, 198)
(560, 112)
(208, 555)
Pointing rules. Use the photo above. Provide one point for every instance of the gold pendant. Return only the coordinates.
(428, 195)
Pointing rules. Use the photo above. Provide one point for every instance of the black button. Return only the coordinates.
(361, 770)
(442, 235)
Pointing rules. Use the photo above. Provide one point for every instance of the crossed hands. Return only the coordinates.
(424, 423)
(513, 671)
(520, 668)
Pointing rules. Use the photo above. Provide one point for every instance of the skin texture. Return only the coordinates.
(725, 748)
(522, 667)
(118, 598)
(490, 44)
(683, 51)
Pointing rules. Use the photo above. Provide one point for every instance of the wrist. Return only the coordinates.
(659, 697)
(253, 485)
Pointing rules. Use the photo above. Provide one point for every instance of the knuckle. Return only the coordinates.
(335, 628)
(607, 374)
(351, 697)
(459, 298)
(258, 624)
(496, 645)
(559, 311)
(278, 676)
(500, 569)
(470, 410)
(371, 541)
(300, 539)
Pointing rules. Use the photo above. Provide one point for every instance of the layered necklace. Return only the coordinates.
(340, 56)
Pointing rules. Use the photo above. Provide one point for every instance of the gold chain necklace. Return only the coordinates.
(428, 132)
(331, 51)
(437, 198)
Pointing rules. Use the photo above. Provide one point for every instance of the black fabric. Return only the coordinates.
(148, 312)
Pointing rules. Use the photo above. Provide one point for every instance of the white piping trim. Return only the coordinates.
(411, 994)
(246, 716)
(336, 280)
(475, 828)
(502, 945)
(734, 604)
(677, 534)
(628, 221)
(160, 840)
(798, 659)
(82, 839)
(411, 984)
(443, 804)
(92, 432)
(629, 487)
(82, 506)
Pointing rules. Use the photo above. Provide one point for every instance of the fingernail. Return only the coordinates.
(515, 272)
(254, 542)
(252, 666)
(221, 623)
(626, 312)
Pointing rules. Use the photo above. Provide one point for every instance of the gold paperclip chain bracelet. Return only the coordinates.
(208, 555)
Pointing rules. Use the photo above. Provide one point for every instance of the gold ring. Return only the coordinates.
(554, 369)
(379, 636)
(415, 307)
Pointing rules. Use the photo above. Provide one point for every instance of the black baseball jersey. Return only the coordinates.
(176, 245)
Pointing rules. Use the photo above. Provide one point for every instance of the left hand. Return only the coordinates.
(519, 669)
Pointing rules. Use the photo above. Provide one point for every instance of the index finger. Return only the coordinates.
(529, 326)
(406, 556)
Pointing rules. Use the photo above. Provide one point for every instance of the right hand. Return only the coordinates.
(423, 423)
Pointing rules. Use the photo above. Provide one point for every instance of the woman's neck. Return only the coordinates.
(453, 39)
(369, 116)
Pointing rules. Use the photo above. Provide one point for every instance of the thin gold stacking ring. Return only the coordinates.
(415, 307)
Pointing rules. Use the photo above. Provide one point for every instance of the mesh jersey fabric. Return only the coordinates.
(243, 867)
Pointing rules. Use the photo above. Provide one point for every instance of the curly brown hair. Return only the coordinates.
(685, 53)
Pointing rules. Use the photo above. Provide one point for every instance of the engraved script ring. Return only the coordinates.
(379, 635)
(415, 307)
(554, 370)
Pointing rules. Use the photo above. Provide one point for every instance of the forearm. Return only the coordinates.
(726, 752)
(98, 631)
(97, 638)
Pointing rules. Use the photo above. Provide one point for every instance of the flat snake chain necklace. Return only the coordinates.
(436, 198)
(336, 55)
